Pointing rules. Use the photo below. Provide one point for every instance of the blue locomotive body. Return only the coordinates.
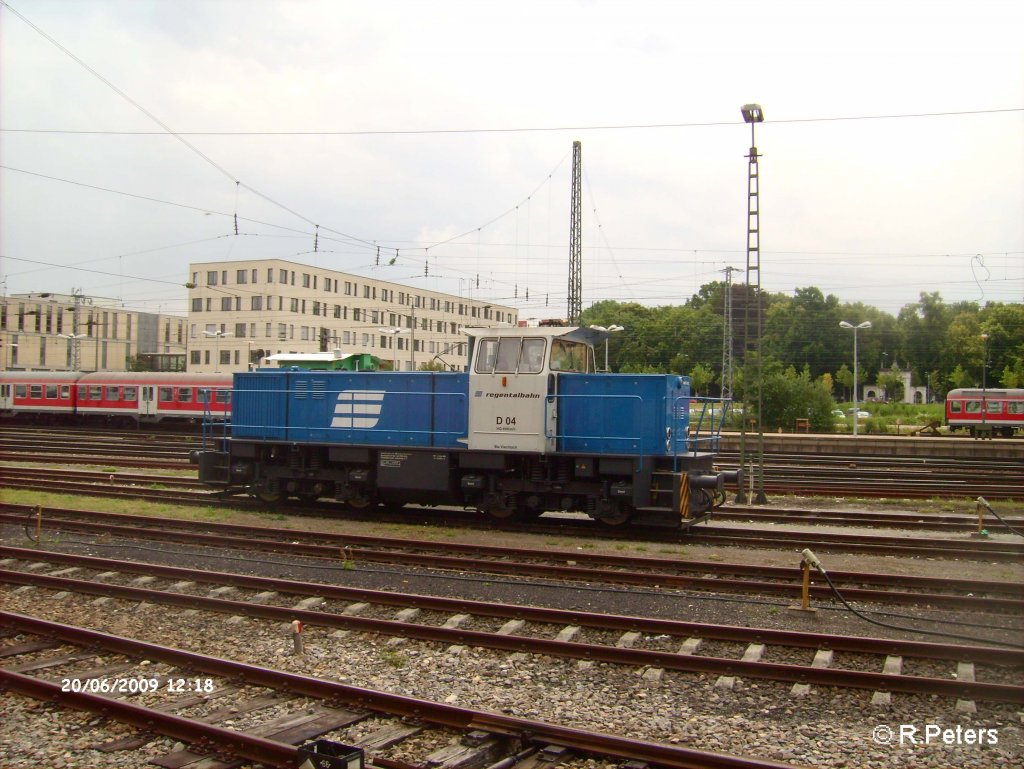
(529, 428)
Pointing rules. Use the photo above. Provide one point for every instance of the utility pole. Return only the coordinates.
(576, 238)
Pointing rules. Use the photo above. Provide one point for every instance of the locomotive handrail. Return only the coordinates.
(212, 420)
(694, 440)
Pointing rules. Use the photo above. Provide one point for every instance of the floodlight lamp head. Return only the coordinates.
(752, 113)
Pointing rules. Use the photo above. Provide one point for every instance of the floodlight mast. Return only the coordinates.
(753, 114)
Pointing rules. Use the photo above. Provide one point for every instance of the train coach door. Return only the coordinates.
(509, 408)
(147, 401)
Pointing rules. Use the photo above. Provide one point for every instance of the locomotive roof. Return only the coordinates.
(569, 333)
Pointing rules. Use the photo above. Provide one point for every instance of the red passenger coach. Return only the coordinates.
(999, 411)
(108, 396)
(153, 397)
(49, 394)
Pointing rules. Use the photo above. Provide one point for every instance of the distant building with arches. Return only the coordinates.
(911, 394)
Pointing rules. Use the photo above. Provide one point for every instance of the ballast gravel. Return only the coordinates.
(827, 728)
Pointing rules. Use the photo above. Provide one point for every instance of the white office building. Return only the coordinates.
(241, 312)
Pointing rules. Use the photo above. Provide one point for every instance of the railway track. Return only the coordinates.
(121, 483)
(564, 566)
(651, 645)
(480, 736)
(840, 474)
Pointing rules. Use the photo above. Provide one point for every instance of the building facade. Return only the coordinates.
(240, 312)
(55, 332)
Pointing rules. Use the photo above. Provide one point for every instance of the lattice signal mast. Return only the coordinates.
(576, 238)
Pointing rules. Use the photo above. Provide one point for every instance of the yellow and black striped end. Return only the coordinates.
(684, 496)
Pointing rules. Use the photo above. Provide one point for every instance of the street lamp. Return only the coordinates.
(610, 330)
(75, 349)
(217, 336)
(394, 332)
(984, 370)
(865, 324)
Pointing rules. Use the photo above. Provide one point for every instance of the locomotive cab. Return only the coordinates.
(513, 384)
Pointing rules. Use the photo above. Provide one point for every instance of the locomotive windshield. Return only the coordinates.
(508, 355)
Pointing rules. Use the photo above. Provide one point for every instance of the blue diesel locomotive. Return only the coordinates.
(530, 427)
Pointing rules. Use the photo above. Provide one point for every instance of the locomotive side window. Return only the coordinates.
(51, 391)
(955, 407)
(113, 393)
(35, 391)
(131, 394)
(166, 394)
(532, 361)
(485, 358)
(568, 356)
(184, 395)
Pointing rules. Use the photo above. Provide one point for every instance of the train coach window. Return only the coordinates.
(51, 391)
(113, 393)
(973, 407)
(204, 395)
(1015, 407)
(35, 391)
(65, 392)
(95, 392)
(82, 392)
(131, 394)
(184, 395)
(955, 407)
(223, 396)
(994, 407)
(166, 394)
(20, 391)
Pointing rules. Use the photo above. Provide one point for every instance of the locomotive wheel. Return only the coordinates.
(266, 496)
(359, 501)
(502, 507)
(617, 515)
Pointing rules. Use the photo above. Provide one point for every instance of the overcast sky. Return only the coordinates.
(442, 131)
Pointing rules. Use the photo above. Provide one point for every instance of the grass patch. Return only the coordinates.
(393, 659)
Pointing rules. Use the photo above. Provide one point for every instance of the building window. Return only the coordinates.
(256, 303)
(241, 277)
(194, 358)
(211, 278)
(240, 330)
(270, 274)
(294, 305)
(225, 357)
(225, 304)
(305, 280)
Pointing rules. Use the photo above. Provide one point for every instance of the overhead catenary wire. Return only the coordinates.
(535, 129)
